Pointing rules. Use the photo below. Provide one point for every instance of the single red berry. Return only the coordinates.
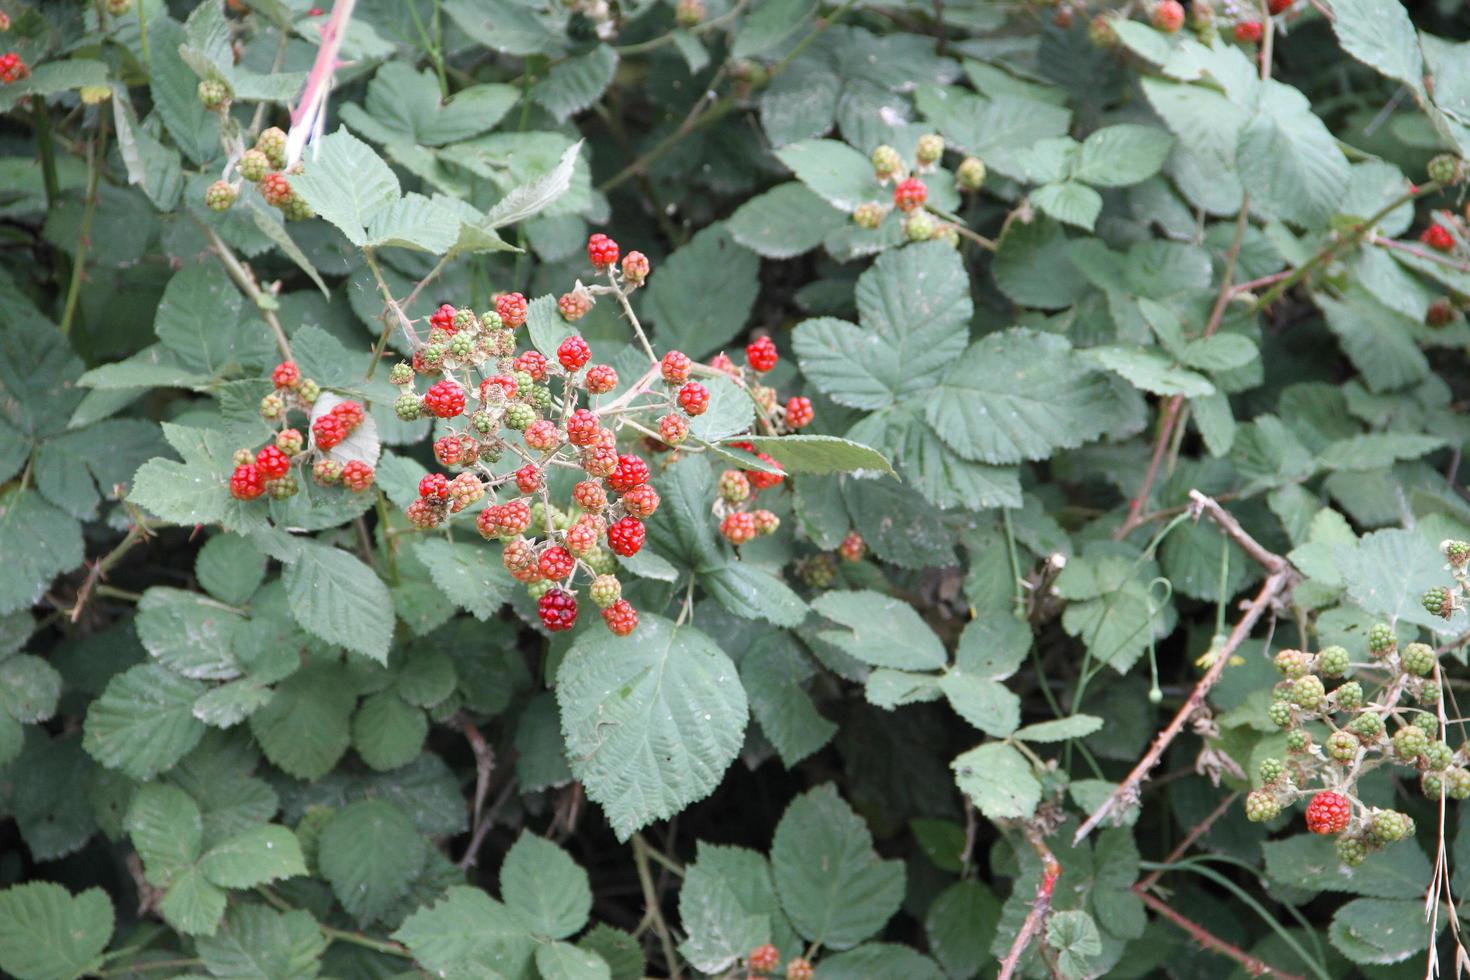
(286, 375)
(1249, 32)
(910, 194)
(582, 428)
(528, 478)
(694, 398)
(1438, 237)
(511, 307)
(631, 471)
(761, 354)
(675, 367)
(541, 435)
(272, 462)
(582, 536)
(12, 68)
(765, 521)
(764, 958)
(556, 563)
(590, 496)
(641, 501)
(738, 528)
(558, 610)
(1168, 16)
(625, 537)
(444, 399)
(635, 268)
(276, 189)
(574, 305)
(464, 490)
(853, 547)
(599, 460)
(601, 250)
(621, 617)
(798, 969)
(443, 319)
(1278, 6)
(350, 413)
(357, 476)
(673, 429)
(601, 378)
(761, 480)
(722, 362)
(504, 382)
(247, 483)
(329, 430)
(532, 362)
(426, 513)
(799, 412)
(1328, 813)
(434, 486)
(450, 451)
(573, 353)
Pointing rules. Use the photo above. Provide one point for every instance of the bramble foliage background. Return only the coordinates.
(306, 738)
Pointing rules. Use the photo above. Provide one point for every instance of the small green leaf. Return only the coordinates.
(39, 542)
(1060, 729)
(881, 630)
(260, 855)
(143, 723)
(820, 454)
(999, 780)
(1117, 156)
(335, 596)
(701, 296)
(370, 852)
(544, 888)
(46, 933)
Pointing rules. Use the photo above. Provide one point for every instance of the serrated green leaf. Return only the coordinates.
(347, 184)
(773, 671)
(39, 542)
(467, 926)
(1310, 862)
(230, 567)
(304, 729)
(881, 630)
(388, 732)
(576, 83)
(668, 686)
(1380, 34)
(336, 597)
(748, 590)
(259, 855)
(999, 780)
(370, 852)
(1375, 930)
(988, 705)
(143, 723)
(192, 904)
(1075, 939)
(1117, 156)
(820, 454)
(960, 925)
(47, 933)
(700, 296)
(1290, 160)
(29, 688)
(834, 887)
(1377, 450)
(1070, 202)
(726, 905)
(471, 575)
(258, 943)
(563, 961)
(544, 888)
(833, 171)
(730, 411)
(786, 221)
(188, 633)
(1060, 729)
(167, 830)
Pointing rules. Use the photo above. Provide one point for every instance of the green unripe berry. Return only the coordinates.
(1445, 169)
(1293, 664)
(272, 407)
(254, 165)
(1298, 740)
(1409, 743)
(461, 346)
(272, 142)
(409, 407)
(1429, 694)
(1367, 726)
(483, 423)
(1381, 639)
(1261, 806)
(970, 174)
(869, 215)
(401, 374)
(1439, 601)
(282, 487)
(919, 226)
(213, 93)
(1457, 553)
(490, 320)
(523, 380)
(1457, 782)
(1349, 696)
(1308, 693)
(1418, 659)
(1425, 722)
(1280, 714)
(1431, 784)
(1271, 770)
(1351, 851)
(1333, 661)
(220, 196)
(1342, 746)
(309, 390)
(538, 588)
(605, 590)
(601, 561)
(886, 162)
(1388, 826)
(1439, 756)
(929, 150)
(540, 397)
(465, 319)
(519, 417)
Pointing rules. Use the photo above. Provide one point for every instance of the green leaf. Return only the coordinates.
(576, 83)
(167, 830)
(748, 590)
(834, 171)
(193, 905)
(387, 732)
(1310, 862)
(230, 567)
(335, 596)
(471, 575)
(988, 705)
(258, 943)
(53, 77)
(29, 688)
(1074, 937)
(1069, 202)
(143, 723)
(304, 728)
(189, 633)
(1151, 371)
(726, 906)
(1117, 156)
(47, 933)
(199, 320)
(563, 961)
(770, 25)
(921, 539)
(651, 721)
(1387, 573)
(700, 296)
(960, 925)
(773, 671)
(786, 221)
(999, 780)
(833, 885)
(618, 949)
(998, 130)
(39, 542)
(1060, 729)
(544, 888)
(1020, 395)
(820, 454)
(260, 855)
(535, 195)
(408, 104)
(1380, 34)
(881, 630)
(370, 852)
(879, 961)
(467, 927)
(1375, 930)
(1378, 341)
(1290, 160)
(347, 184)
(1377, 450)
(730, 411)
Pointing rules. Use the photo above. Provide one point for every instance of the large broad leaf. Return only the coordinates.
(1116, 156)
(1290, 160)
(1379, 33)
(832, 884)
(999, 780)
(39, 542)
(1310, 862)
(259, 943)
(143, 723)
(785, 221)
(960, 925)
(773, 671)
(464, 929)
(305, 728)
(1375, 930)
(525, 200)
(726, 906)
(881, 630)
(370, 852)
(699, 298)
(1019, 395)
(189, 633)
(834, 171)
(545, 888)
(576, 83)
(46, 933)
(651, 720)
(1387, 573)
(470, 574)
(261, 854)
(336, 597)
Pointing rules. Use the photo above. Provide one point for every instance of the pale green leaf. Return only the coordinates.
(881, 630)
(47, 933)
(700, 297)
(544, 888)
(143, 723)
(259, 855)
(335, 596)
(370, 852)
(999, 780)
(39, 542)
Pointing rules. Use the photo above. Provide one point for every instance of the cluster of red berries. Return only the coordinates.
(268, 469)
(766, 959)
(910, 193)
(264, 165)
(1357, 713)
(12, 68)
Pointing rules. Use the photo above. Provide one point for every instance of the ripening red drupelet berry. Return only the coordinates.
(599, 460)
(1438, 237)
(12, 68)
(434, 486)
(511, 308)
(675, 367)
(738, 528)
(601, 250)
(558, 610)
(762, 480)
(449, 451)
(621, 617)
(247, 482)
(631, 471)
(694, 398)
(582, 428)
(531, 362)
(1249, 31)
(641, 501)
(799, 412)
(272, 462)
(761, 354)
(798, 969)
(910, 194)
(764, 958)
(573, 353)
(443, 319)
(1168, 16)
(601, 378)
(673, 429)
(276, 189)
(1328, 813)
(351, 414)
(445, 399)
(329, 430)
(635, 268)
(286, 375)
(357, 476)
(722, 362)
(853, 548)
(1278, 6)
(541, 435)
(529, 478)
(514, 517)
(556, 563)
(590, 496)
(625, 537)
(573, 305)
(504, 382)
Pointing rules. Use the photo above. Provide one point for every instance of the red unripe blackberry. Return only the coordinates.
(631, 471)
(621, 617)
(541, 435)
(434, 486)
(1438, 237)
(601, 378)
(635, 268)
(625, 537)
(601, 250)
(511, 308)
(738, 528)
(272, 462)
(558, 610)
(675, 367)
(528, 478)
(1249, 32)
(764, 958)
(329, 430)
(556, 563)
(641, 501)
(799, 412)
(445, 399)
(1329, 813)
(286, 375)
(673, 429)
(761, 354)
(532, 362)
(443, 319)
(247, 483)
(910, 194)
(504, 382)
(694, 398)
(357, 476)
(276, 189)
(573, 353)
(582, 428)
